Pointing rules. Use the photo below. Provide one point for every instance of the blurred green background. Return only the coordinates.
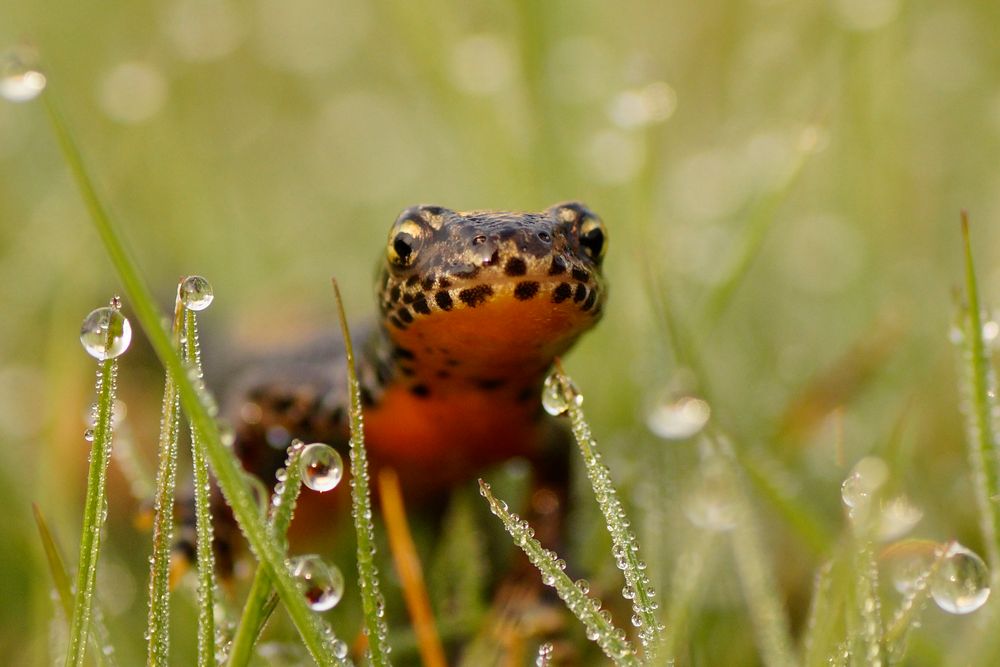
(781, 178)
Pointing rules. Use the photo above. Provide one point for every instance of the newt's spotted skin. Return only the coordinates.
(475, 306)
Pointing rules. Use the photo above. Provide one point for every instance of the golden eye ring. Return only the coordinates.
(593, 237)
(405, 240)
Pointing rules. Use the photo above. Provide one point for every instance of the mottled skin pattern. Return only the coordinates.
(474, 308)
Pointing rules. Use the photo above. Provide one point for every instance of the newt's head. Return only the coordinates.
(492, 291)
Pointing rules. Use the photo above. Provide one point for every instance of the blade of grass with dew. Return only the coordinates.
(625, 548)
(224, 464)
(361, 508)
(824, 625)
(842, 655)
(819, 611)
(202, 507)
(158, 621)
(259, 602)
(100, 638)
(907, 616)
(404, 553)
(94, 512)
(599, 627)
(767, 613)
(544, 657)
(867, 604)
(981, 406)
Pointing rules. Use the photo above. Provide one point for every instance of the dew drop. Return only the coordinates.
(196, 293)
(322, 467)
(227, 434)
(322, 584)
(711, 504)
(105, 333)
(961, 584)
(909, 562)
(88, 435)
(118, 412)
(20, 82)
(544, 655)
(339, 649)
(678, 418)
(991, 330)
(559, 393)
(898, 517)
(866, 477)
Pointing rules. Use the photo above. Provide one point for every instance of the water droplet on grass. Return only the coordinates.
(544, 655)
(711, 505)
(908, 562)
(339, 649)
(95, 330)
(866, 477)
(20, 82)
(678, 418)
(991, 329)
(322, 584)
(322, 467)
(898, 517)
(88, 435)
(196, 293)
(961, 584)
(559, 393)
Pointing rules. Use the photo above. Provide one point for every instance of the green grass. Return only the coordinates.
(282, 149)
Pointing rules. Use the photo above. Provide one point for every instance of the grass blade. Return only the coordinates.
(60, 577)
(259, 603)
(907, 617)
(625, 548)
(94, 512)
(868, 606)
(224, 465)
(100, 638)
(981, 406)
(588, 609)
(825, 619)
(371, 598)
(203, 511)
(158, 623)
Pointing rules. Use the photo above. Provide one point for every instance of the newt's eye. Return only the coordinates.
(404, 243)
(593, 237)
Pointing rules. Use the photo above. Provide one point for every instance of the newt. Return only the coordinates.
(474, 307)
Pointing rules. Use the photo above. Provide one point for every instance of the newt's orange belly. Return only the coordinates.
(436, 441)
